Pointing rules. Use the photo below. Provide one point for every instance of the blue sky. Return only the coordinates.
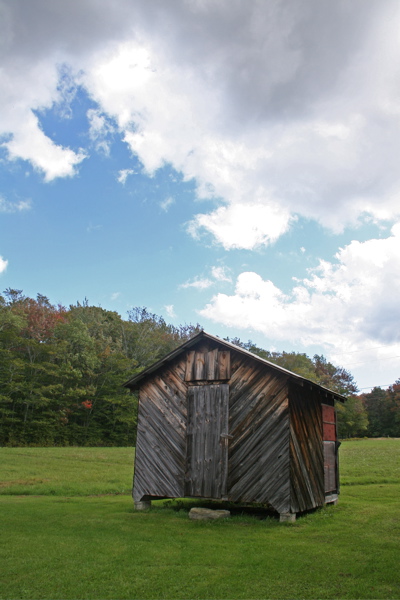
(229, 163)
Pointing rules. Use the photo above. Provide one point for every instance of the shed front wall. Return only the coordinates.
(258, 433)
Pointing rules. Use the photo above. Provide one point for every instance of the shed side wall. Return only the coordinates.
(161, 435)
(306, 449)
(259, 426)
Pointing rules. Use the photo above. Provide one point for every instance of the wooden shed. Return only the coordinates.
(216, 421)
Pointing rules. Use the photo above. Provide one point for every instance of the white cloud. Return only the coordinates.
(124, 174)
(115, 296)
(3, 264)
(169, 309)
(243, 225)
(100, 130)
(167, 203)
(7, 206)
(220, 274)
(344, 305)
(30, 84)
(197, 283)
(30, 143)
(275, 108)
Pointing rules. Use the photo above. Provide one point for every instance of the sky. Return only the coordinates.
(227, 162)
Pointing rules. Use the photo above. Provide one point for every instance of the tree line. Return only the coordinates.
(62, 369)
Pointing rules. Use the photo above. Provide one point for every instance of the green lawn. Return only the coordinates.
(76, 545)
(66, 471)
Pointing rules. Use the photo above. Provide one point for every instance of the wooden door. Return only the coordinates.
(207, 447)
(330, 449)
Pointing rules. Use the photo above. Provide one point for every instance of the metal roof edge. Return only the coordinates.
(131, 383)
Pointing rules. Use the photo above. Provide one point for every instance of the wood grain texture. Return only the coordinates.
(217, 423)
(259, 448)
(207, 452)
(161, 437)
(205, 364)
(306, 450)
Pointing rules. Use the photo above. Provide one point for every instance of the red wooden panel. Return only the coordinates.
(329, 432)
(328, 413)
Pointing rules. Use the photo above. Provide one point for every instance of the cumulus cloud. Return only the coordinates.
(242, 225)
(275, 109)
(342, 305)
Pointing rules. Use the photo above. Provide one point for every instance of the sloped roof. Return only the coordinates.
(134, 382)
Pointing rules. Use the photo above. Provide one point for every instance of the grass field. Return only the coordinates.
(68, 530)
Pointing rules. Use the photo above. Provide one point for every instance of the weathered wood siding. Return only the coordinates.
(160, 461)
(207, 364)
(207, 449)
(306, 449)
(259, 426)
(216, 423)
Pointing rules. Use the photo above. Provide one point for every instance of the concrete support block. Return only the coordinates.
(331, 499)
(287, 517)
(143, 505)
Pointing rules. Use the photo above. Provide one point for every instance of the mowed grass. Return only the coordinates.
(71, 546)
(66, 471)
(370, 461)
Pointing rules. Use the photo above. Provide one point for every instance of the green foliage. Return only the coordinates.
(384, 411)
(61, 370)
(352, 417)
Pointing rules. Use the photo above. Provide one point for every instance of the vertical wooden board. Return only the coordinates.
(211, 365)
(330, 466)
(199, 366)
(207, 454)
(224, 403)
(189, 373)
(224, 364)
